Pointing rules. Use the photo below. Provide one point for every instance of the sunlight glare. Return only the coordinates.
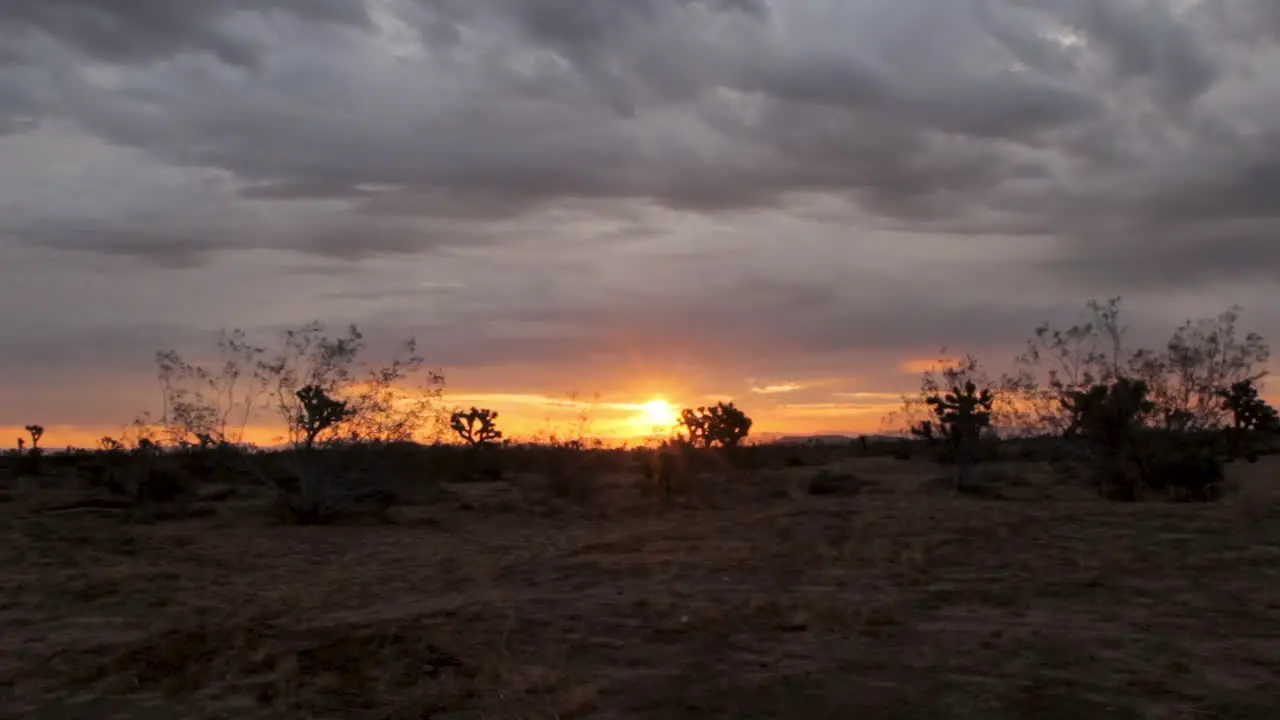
(658, 412)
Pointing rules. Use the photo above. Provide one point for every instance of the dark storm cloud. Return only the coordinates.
(632, 102)
(105, 350)
(1184, 256)
(146, 30)
(172, 241)
(1142, 41)
(1141, 135)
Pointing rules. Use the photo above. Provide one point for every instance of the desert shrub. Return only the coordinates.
(1131, 458)
(30, 462)
(574, 472)
(1108, 417)
(144, 476)
(665, 467)
(1183, 466)
(163, 485)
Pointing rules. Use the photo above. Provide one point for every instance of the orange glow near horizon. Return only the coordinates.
(534, 417)
(537, 417)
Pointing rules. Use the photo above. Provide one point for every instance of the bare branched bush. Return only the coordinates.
(392, 403)
(202, 402)
(327, 397)
(1202, 359)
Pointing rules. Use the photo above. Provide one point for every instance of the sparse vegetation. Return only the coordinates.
(332, 404)
(743, 551)
(1129, 421)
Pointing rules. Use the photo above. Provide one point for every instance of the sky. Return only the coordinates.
(786, 203)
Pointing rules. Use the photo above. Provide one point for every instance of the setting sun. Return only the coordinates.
(658, 412)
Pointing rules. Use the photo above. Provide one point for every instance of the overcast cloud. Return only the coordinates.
(559, 193)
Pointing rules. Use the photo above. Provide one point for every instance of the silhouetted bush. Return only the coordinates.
(1131, 459)
(1185, 466)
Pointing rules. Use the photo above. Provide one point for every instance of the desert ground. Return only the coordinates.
(746, 596)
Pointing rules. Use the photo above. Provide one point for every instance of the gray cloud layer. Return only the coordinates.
(803, 177)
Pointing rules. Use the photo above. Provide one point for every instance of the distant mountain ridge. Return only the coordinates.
(790, 439)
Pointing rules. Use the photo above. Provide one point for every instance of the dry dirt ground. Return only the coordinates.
(750, 599)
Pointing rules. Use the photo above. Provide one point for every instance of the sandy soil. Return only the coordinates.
(753, 599)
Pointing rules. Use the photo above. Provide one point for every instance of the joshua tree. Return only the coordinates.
(695, 424)
(476, 426)
(720, 424)
(729, 425)
(319, 413)
(36, 432)
(962, 414)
